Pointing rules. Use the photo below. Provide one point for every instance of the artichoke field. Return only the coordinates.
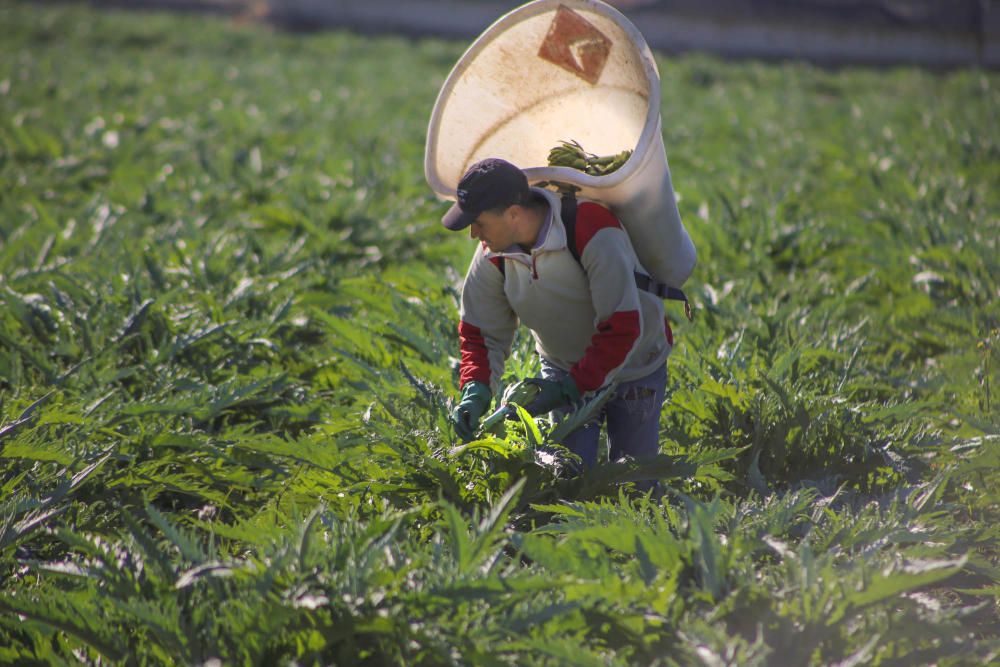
(228, 347)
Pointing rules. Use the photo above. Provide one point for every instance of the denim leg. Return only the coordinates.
(634, 416)
(584, 441)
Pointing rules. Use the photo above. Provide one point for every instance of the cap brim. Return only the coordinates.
(455, 219)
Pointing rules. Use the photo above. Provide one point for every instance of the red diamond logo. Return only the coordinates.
(576, 45)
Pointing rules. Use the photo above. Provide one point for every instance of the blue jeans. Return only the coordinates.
(632, 416)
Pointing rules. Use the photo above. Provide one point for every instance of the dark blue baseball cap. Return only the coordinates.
(488, 184)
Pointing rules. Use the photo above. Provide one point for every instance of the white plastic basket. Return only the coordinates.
(556, 70)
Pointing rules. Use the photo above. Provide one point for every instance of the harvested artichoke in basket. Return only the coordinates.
(571, 154)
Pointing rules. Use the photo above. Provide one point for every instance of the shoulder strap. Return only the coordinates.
(642, 281)
(664, 291)
(569, 222)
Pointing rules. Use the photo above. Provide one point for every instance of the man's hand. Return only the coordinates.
(552, 394)
(470, 409)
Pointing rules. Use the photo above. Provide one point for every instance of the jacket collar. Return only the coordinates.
(551, 236)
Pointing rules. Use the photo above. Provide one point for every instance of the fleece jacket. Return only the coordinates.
(589, 320)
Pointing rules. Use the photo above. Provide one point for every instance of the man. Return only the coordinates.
(590, 322)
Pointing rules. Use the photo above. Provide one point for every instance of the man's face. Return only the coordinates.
(494, 229)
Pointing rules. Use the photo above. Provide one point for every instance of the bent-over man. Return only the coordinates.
(591, 323)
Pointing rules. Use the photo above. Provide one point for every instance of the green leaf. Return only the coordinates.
(910, 577)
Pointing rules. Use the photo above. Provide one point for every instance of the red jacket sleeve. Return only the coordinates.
(609, 260)
(487, 323)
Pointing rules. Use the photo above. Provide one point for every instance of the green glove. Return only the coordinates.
(470, 409)
(552, 394)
